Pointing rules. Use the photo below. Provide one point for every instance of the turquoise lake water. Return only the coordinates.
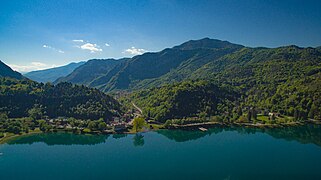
(220, 153)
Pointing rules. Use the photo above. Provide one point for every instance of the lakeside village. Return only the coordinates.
(134, 121)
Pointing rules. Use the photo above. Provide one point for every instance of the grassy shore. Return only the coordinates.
(11, 136)
(246, 125)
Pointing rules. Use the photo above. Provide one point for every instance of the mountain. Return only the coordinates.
(207, 43)
(170, 65)
(200, 59)
(284, 79)
(52, 74)
(6, 71)
(90, 70)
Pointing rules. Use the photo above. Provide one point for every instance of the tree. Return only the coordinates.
(36, 112)
(102, 126)
(43, 126)
(138, 123)
(312, 112)
(273, 117)
(254, 114)
(249, 116)
(148, 114)
(208, 110)
(168, 123)
(3, 117)
(242, 119)
(202, 116)
(92, 125)
(303, 115)
(27, 129)
(16, 129)
(239, 111)
(296, 114)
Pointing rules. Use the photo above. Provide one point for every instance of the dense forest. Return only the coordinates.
(283, 80)
(186, 99)
(18, 97)
(298, 98)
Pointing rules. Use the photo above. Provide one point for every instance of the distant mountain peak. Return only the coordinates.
(6, 71)
(90, 70)
(50, 75)
(206, 43)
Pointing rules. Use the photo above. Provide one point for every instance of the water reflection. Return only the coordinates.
(304, 134)
(119, 136)
(138, 140)
(61, 139)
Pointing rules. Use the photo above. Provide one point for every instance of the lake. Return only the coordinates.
(219, 153)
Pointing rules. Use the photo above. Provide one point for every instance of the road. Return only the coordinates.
(140, 110)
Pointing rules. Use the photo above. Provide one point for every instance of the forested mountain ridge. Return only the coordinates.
(6, 71)
(284, 80)
(174, 63)
(201, 59)
(52, 74)
(18, 97)
(89, 71)
(207, 43)
(260, 71)
(298, 98)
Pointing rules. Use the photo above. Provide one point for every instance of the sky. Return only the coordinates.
(40, 34)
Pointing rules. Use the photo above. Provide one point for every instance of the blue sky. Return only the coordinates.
(38, 34)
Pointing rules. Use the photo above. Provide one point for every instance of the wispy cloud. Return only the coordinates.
(33, 66)
(78, 40)
(52, 48)
(86, 45)
(134, 51)
(91, 47)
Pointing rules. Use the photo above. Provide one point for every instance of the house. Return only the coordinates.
(120, 127)
(116, 119)
(271, 114)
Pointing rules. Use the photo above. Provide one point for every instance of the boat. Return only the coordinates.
(202, 129)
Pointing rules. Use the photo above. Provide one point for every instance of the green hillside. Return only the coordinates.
(285, 80)
(170, 65)
(18, 97)
(186, 99)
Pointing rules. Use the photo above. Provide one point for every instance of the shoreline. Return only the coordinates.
(246, 125)
(194, 127)
(8, 138)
